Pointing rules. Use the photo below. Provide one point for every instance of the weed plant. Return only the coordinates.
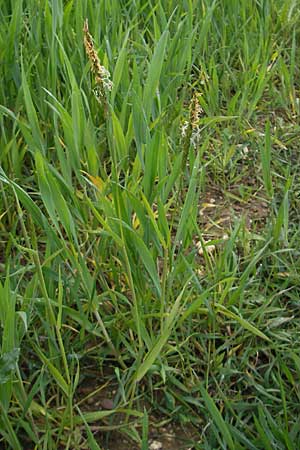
(149, 223)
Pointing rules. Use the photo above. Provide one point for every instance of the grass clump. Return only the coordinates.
(149, 263)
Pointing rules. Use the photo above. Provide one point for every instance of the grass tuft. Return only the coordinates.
(149, 262)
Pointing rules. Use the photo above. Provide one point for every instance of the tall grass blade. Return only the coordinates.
(154, 73)
(217, 417)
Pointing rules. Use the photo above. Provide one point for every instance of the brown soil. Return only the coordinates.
(219, 210)
(111, 433)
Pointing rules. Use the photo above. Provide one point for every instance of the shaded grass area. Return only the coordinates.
(149, 238)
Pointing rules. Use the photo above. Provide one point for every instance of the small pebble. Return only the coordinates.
(107, 403)
(155, 445)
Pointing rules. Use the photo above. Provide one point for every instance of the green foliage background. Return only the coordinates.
(100, 278)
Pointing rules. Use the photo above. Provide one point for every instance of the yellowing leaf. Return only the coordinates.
(97, 181)
(135, 221)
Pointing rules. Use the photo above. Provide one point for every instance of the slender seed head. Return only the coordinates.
(101, 74)
(190, 129)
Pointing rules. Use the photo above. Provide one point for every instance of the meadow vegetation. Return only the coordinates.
(149, 224)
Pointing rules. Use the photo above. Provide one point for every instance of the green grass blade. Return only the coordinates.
(266, 161)
(32, 115)
(169, 325)
(154, 72)
(217, 417)
(59, 379)
(93, 445)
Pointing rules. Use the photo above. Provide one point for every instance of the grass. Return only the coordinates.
(149, 239)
